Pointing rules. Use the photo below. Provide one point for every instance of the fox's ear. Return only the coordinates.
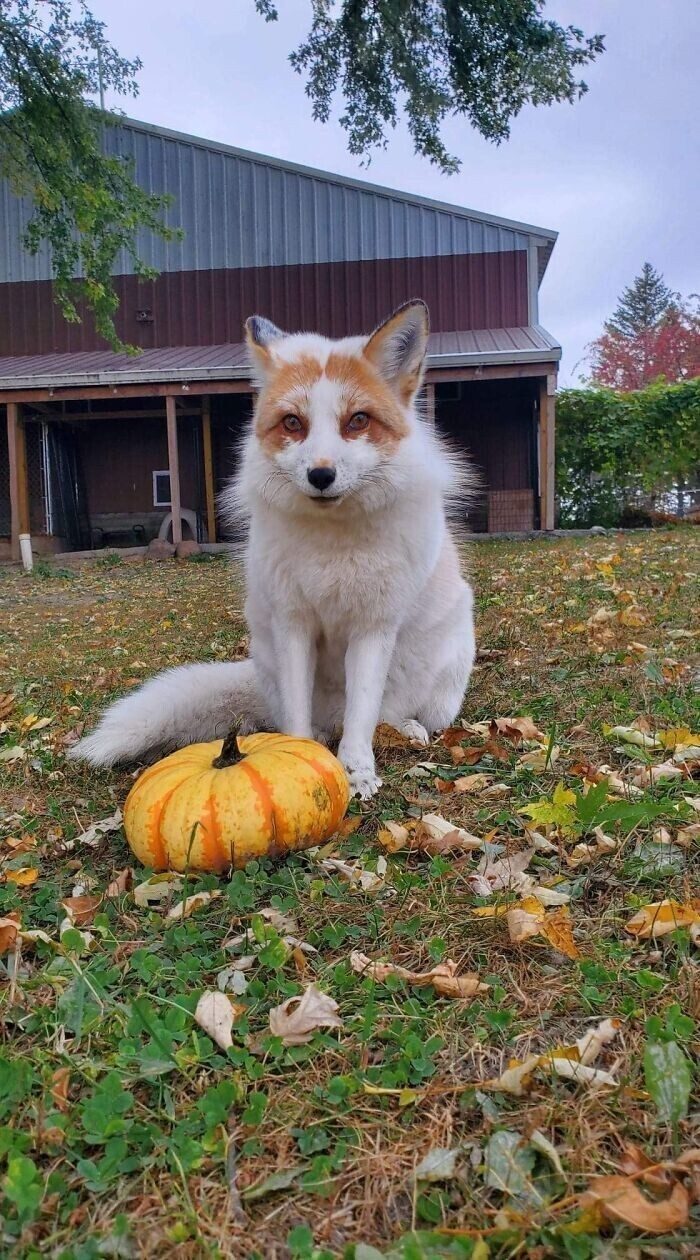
(397, 348)
(261, 335)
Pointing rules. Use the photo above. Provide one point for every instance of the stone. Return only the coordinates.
(188, 547)
(159, 549)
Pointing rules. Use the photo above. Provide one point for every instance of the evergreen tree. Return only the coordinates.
(642, 305)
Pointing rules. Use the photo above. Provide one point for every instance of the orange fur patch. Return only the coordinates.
(287, 390)
(364, 390)
(286, 393)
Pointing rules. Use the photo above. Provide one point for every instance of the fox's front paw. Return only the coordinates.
(414, 731)
(361, 773)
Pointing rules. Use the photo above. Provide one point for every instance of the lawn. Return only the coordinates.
(126, 1131)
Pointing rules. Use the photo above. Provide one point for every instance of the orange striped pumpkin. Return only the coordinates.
(214, 806)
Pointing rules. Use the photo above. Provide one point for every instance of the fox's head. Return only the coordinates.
(332, 417)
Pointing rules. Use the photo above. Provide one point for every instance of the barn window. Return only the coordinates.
(161, 488)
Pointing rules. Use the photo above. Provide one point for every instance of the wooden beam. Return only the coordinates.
(488, 372)
(546, 449)
(61, 393)
(174, 468)
(208, 470)
(138, 413)
(19, 484)
(430, 403)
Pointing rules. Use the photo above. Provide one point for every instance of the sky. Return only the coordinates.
(617, 174)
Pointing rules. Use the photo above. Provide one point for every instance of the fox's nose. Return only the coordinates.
(321, 478)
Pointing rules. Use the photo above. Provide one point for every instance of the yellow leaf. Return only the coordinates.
(661, 917)
(443, 978)
(556, 927)
(28, 875)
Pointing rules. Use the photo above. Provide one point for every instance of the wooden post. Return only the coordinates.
(174, 468)
(19, 485)
(208, 469)
(548, 386)
(430, 403)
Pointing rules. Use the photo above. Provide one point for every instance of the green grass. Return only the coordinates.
(125, 1131)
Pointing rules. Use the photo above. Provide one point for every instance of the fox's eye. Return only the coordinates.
(292, 424)
(358, 422)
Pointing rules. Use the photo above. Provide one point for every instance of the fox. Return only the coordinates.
(357, 608)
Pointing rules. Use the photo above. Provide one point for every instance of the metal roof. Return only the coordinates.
(242, 209)
(229, 362)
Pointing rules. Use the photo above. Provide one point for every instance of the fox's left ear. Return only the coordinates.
(397, 348)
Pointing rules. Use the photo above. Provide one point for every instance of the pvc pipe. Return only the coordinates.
(25, 551)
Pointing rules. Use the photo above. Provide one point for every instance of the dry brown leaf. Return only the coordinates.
(453, 736)
(523, 924)
(557, 929)
(21, 844)
(9, 930)
(662, 917)
(506, 872)
(570, 1062)
(215, 1015)
(121, 883)
(516, 1078)
(433, 834)
(185, 908)
(688, 835)
(387, 737)
(7, 704)
(517, 728)
(350, 824)
(472, 782)
(297, 1019)
(443, 977)
(60, 1082)
(82, 910)
(620, 1199)
(444, 785)
(356, 875)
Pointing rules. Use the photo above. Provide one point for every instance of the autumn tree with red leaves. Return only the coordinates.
(653, 334)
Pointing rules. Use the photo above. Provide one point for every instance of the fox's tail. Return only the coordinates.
(185, 705)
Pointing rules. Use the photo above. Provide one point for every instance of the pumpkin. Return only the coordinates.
(213, 806)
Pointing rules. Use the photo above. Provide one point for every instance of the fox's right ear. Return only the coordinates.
(261, 335)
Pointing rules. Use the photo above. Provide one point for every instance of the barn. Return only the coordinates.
(107, 450)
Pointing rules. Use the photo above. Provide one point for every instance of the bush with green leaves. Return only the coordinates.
(617, 452)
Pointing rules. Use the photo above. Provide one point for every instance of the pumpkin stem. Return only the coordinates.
(230, 752)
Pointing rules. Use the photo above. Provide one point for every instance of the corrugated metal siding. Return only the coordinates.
(209, 307)
(244, 211)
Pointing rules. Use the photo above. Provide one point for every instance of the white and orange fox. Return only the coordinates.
(357, 609)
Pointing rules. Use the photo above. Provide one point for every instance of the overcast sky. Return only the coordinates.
(617, 174)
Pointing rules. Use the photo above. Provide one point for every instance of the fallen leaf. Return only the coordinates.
(280, 1180)
(519, 728)
(121, 883)
(7, 704)
(557, 929)
(434, 835)
(540, 759)
(94, 834)
(60, 1083)
(356, 875)
(645, 776)
(546, 1148)
(82, 910)
(571, 1062)
(662, 917)
(280, 922)
(185, 908)
(558, 811)
(443, 977)
(24, 877)
(688, 835)
(440, 1164)
(472, 782)
(508, 872)
(516, 1078)
(591, 1043)
(522, 924)
(215, 1015)
(620, 1199)
(508, 1162)
(388, 737)
(159, 888)
(393, 837)
(297, 1019)
(15, 753)
(9, 931)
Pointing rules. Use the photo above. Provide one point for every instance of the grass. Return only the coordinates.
(125, 1131)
